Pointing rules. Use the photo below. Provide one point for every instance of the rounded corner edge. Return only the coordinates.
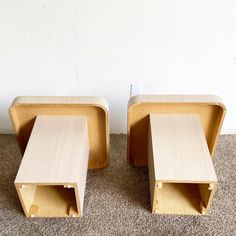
(17, 99)
(220, 103)
(134, 100)
(11, 107)
(103, 104)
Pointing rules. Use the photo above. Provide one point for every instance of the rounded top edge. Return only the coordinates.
(70, 100)
(198, 99)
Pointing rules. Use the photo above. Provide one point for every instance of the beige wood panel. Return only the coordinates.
(52, 174)
(24, 110)
(93, 100)
(181, 174)
(209, 108)
(201, 99)
(180, 150)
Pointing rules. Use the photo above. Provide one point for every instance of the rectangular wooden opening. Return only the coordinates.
(182, 198)
(48, 200)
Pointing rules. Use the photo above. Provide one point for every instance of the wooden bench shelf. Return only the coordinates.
(175, 135)
(63, 141)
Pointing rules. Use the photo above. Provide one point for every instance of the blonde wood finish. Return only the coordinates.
(24, 110)
(180, 150)
(181, 174)
(210, 109)
(52, 176)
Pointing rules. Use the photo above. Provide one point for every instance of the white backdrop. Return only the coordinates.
(100, 47)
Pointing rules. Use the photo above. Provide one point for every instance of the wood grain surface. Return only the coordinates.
(52, 174)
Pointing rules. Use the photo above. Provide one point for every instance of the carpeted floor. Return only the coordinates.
(117, 199)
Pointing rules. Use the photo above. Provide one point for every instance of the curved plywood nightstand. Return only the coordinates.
(175, 135)
(60, 138)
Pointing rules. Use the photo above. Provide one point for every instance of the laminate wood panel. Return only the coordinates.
(181, 174)
(180, 150)
(52, 176)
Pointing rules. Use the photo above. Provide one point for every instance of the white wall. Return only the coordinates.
(99, 47)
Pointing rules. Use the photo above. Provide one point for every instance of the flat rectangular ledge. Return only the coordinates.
(181, 173)
(52, 176)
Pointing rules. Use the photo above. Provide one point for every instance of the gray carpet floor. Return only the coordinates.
(117, 199)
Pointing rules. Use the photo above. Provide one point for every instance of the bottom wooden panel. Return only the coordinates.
(51, 179)
(181, 174)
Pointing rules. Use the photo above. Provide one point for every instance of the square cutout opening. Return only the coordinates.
(182, 198)
(48, 200)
